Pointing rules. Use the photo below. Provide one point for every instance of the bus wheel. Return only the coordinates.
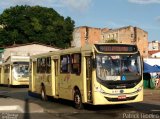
(78, 100)
(43, 94)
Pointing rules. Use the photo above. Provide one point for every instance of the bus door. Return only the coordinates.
(33, 79)
(11, 75)
(89, 78)
(64, 77)
(55, 71)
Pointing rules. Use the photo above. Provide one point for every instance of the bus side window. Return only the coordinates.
(65, 63)
(38, 65)
(43, 65)
(48, 65)
(76, 64)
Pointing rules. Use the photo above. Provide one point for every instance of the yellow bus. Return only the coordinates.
(98, 74)
(15, 71)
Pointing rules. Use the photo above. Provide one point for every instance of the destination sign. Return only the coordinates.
(116, 48)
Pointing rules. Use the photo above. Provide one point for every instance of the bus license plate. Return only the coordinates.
(122, 97)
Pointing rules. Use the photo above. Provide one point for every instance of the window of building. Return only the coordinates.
(132, 35)
(76, 63)
(103, 37)
(116, 35)
(86, 33)
(65, 63)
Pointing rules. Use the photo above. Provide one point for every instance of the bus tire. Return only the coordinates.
(78, 100)
(43, 94)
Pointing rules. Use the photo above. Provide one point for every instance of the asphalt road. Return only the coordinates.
(35, 108)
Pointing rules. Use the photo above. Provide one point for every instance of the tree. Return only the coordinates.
(26, 24)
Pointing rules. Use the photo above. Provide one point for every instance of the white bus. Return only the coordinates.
(15, 71)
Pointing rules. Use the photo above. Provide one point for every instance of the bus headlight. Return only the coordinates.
(98, 89)
(139, 89)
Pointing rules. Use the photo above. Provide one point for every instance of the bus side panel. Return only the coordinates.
(68, 82)
(48, 85)
(42, 76)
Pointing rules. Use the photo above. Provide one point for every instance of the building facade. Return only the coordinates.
(27, 50)
(127, 35)
(154, 45)
(85, 35)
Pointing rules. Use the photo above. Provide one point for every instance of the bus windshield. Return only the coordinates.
(118, 67)
(21, 69)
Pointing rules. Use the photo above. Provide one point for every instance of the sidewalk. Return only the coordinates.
(152, 96)
(19, 106)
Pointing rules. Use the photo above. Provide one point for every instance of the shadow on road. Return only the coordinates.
(146, 108)
(65, 106)
(26, 109)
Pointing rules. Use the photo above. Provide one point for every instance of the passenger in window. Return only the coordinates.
(64, 65)
(76, 68)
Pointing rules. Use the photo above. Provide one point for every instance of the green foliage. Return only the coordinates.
(111, 41)
(25, 24)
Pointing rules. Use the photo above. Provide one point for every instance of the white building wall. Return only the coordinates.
(156, 55)
(76, 42)
(25, 50)
(152, 61)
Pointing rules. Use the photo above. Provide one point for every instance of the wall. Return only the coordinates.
(154, 45)
(127, 35)
(85, 35)
(24, 50)
(142, 41)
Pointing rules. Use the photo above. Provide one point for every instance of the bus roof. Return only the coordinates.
(78, 49)
(13, 58)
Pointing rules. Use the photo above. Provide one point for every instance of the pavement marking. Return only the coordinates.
(11, 108)
(155, 110)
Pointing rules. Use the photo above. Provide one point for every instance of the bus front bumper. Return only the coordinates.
(104, 99)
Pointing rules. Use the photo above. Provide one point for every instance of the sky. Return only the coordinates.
(103, 13)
